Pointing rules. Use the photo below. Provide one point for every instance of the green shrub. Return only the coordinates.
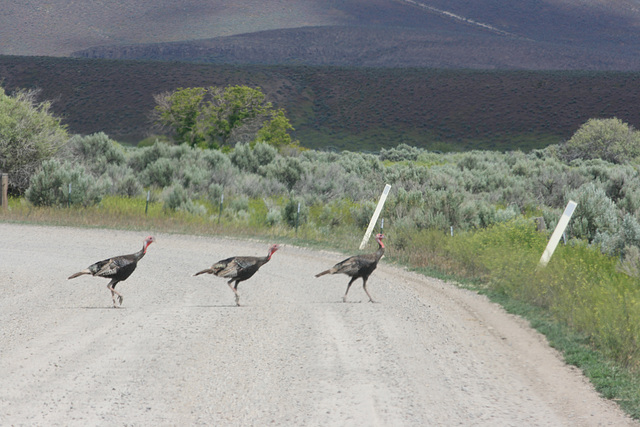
(95, 152)
(50, 186)
(362, 214)
(595, 213)
(214, 193)
(174, 197)
(153, 139)
(159, 173)
(214, 158)
(264, 153)
(128, 186)
(142, 157)
(193, 208)
(244, 158)
(195, 178)
(606, 139)
(400, 153)
(290, 212)
(239, 203)
(29, 135)
(274, 217)
(287, 170)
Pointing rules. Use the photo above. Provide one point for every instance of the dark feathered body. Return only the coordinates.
(238, 269)
(117, 268)
(358, 266)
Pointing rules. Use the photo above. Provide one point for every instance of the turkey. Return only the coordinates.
(238, 269)
(358, 266)
(117, 269)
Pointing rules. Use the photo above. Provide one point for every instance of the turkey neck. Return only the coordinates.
(266, 259)
(380, 250)
(262, 261)
(138, 255)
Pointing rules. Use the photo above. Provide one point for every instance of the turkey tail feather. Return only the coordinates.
(325, 272)
(79, 273)
(208, 270)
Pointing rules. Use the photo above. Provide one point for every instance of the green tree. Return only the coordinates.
(29, 134)
(234, 111)
(214, 117)
(607, 139)
(180, 111)
(276, 130)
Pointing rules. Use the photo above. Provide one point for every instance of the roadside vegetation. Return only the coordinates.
(479, 217)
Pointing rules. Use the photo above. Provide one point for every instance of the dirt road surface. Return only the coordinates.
(179, 352)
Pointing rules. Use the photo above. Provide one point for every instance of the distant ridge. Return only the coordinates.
(376, 47)
(491, 34)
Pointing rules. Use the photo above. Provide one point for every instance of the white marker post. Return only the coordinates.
(375, 216)
(557, 233)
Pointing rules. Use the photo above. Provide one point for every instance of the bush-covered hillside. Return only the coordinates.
(466, 191)
(344, 108)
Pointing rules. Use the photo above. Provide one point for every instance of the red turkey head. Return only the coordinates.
(272, 249)
(149, 240)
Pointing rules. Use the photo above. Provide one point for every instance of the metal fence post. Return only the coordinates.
(220, 211)
(4, 196)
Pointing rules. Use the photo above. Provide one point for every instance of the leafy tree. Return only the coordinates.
(215, 117)
(607, 139)
(29, 134)
(180, 111)
(233, 110)
(276, 131)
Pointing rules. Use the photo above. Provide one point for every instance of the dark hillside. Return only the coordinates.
(347, 108)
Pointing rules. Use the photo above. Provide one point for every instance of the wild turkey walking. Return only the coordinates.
(117, 269)
(358, 266)
(238, 269)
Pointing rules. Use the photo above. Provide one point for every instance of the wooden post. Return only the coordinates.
(4, 196)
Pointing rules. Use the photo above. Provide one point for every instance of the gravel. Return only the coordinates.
(179, 352)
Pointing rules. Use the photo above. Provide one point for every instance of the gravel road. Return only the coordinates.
(179, 352)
